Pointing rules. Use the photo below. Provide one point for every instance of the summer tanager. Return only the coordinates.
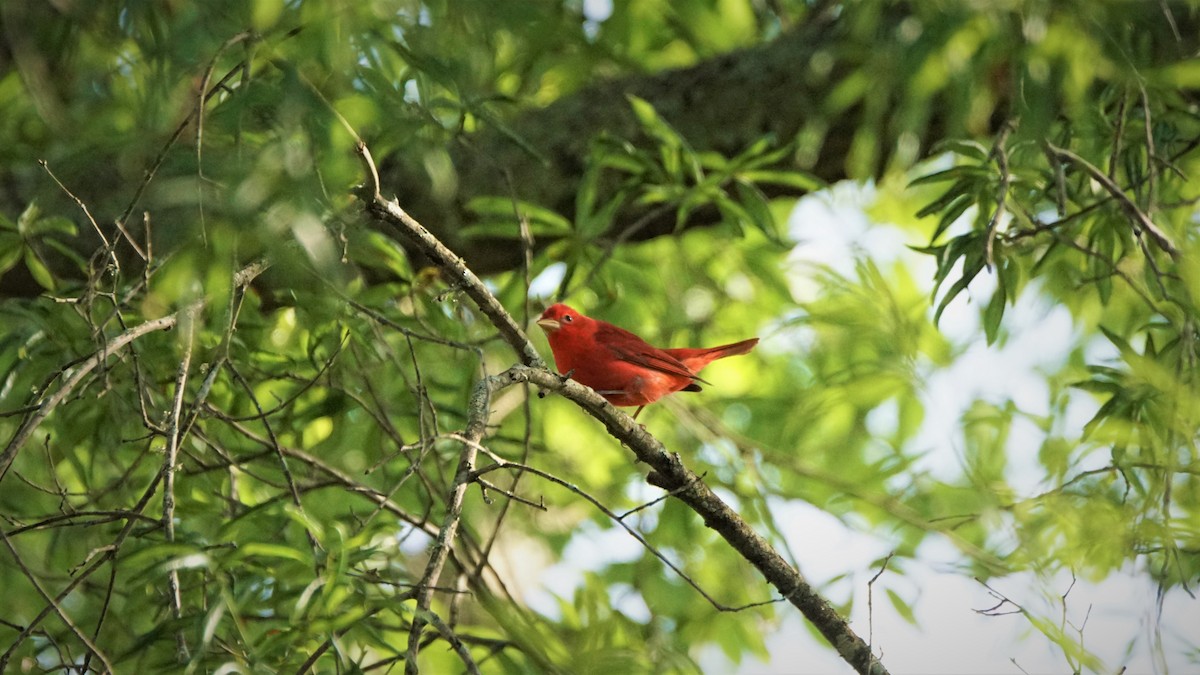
(621, 366)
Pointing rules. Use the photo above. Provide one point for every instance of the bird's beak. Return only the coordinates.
(549, 325)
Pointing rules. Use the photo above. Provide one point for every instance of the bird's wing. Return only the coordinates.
(632, 349)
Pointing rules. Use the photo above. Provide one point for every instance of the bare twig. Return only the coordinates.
(527, 244)
(476, 426)
(1151, 196)
(620, 520)
(335, 475)
(274, 441)
(1001, 156)
(76, 376)
(669, 473)
(109, 553)
(456, 644)
(202, 96)
(174, 434)
(107, 248)
(80, 368)
(1142, 222)
(54, 603)
(456, 272)
(871, 600)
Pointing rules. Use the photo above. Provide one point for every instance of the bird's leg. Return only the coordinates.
(638, 411)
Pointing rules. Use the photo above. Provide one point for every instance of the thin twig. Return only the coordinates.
(668, 472)
(53, 602)
(1142, 222)
(1001, 155)
(77, 375)
(174, 433)
(456, 271)
(476, 426)
(456, 643)
(337, 476)
(198, 113)
(1151, 197)
(871, 601)
(287, 472)
(109, 553)
(620, 520)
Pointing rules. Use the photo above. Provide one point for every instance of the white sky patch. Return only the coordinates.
(589, 546)
(1117, 615)
(546, 282)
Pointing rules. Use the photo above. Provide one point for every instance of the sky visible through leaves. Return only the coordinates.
(952, 633)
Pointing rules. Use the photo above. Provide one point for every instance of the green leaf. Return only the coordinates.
(961, 188)
(67, 252)
(662, 194)
(543, 219)
(1182, 75)
(797, 180)
(11, 250)
(757, 209)
(902, 608)
(1119, 342)
(634, 164)
(52, 225)
(38, 270)
(377, 250)
(965, 148)
(654, 125)
(993, 314)
(732, 213)
(598, 222)
(953, 173)
(28, 217)
(973, 263)
(951, 213)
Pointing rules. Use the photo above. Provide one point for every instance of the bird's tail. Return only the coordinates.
(697, 358)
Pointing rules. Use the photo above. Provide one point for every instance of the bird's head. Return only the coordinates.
(559, 317)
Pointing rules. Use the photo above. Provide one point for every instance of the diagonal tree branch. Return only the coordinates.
(455, 270)
(668, 472)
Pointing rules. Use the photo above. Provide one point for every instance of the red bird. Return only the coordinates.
(619, 365)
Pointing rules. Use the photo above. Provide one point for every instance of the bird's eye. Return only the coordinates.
(568, 318)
